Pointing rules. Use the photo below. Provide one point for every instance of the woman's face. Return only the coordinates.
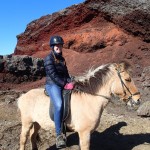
(58, 48)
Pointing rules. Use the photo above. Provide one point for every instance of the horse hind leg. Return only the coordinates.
(24, 133)
(33, 135)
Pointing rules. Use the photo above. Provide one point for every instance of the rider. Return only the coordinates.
(57, 79)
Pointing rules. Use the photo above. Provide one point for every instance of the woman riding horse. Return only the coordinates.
(91, 94)
(57, 79)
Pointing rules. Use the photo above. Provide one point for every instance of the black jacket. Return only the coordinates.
(56, 69)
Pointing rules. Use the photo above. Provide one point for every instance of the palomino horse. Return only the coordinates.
(91, 94)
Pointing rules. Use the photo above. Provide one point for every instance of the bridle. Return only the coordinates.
(125, 87)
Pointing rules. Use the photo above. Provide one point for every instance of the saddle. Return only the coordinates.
(66, 105)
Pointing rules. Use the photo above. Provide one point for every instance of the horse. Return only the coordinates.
(93, 90)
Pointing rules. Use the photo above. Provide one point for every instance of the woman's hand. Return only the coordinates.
(69, 86)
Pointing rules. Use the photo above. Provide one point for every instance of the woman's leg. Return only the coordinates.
(55, 93)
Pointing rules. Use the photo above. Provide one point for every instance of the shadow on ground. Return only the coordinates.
(111, 139)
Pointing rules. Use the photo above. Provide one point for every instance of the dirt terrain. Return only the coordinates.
(95, 32)
(120, 128)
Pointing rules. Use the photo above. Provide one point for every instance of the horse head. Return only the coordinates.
(123, 85)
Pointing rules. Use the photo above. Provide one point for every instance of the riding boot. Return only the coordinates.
(61, 141)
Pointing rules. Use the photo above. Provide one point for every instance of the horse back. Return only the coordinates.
(27, 102)
(34, 106)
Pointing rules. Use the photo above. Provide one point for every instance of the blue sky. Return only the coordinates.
(16, 14)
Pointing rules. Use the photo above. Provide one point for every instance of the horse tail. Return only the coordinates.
(18, 101)
(18, 104)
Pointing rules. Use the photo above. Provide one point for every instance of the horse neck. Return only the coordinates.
(105, 91)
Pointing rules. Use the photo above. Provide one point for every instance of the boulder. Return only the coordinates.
(22, 68)
(144, 109)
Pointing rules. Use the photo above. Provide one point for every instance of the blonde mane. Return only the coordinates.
(93, 80)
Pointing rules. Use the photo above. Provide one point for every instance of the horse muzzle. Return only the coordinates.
(133, 103)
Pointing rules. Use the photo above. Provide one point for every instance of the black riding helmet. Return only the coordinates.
(56, 40)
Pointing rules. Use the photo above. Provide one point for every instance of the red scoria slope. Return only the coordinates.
(95, 32)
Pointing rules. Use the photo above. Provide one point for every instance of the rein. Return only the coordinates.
(124, 86)
(106, 97)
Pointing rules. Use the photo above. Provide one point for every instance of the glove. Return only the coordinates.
(69, 86)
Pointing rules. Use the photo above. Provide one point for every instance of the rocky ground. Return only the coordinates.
(119, 129)
(95, 32)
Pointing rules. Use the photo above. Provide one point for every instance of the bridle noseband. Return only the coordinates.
(124, 86)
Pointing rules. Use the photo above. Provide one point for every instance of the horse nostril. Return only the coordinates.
(138, 102)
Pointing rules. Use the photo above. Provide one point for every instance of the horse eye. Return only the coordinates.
(128, 80)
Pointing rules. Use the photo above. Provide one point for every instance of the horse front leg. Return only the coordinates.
(24, 132)
(84, 139)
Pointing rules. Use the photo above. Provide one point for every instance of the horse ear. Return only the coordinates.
(121, 66)
(124, 66)
(116, 66)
